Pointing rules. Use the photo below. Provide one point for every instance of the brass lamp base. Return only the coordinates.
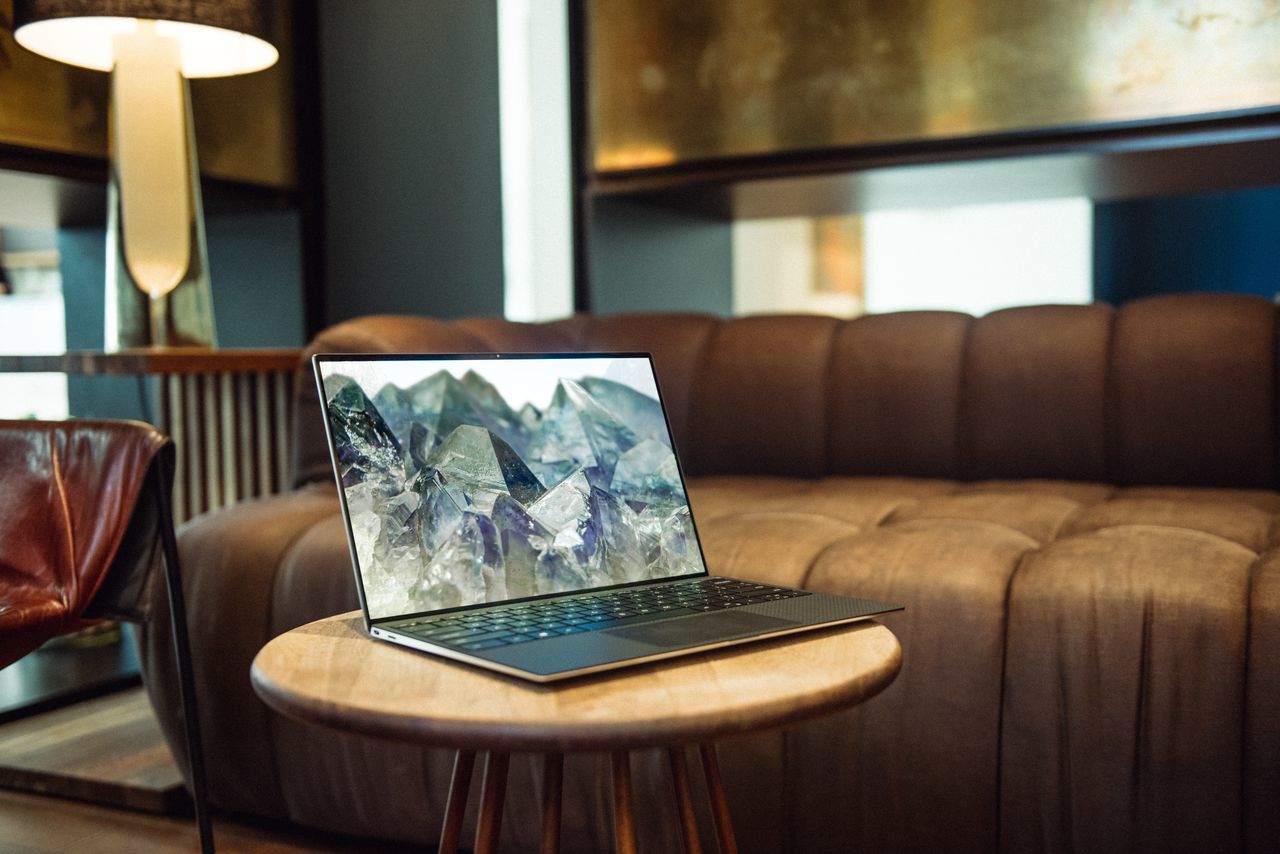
(157, 283)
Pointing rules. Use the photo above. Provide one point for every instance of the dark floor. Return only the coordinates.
(69, 669)
(59, 677)
(36, 824)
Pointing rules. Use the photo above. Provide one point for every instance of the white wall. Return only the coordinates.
(533, 82)
(773, 270)
(974, 259)
(980, 258)
(32, 322)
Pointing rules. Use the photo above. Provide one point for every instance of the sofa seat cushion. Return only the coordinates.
(1237, 522)
(1126, 657)
(720, 496)
(1039, 615)
(734, 511)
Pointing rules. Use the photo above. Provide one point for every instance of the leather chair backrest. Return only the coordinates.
(1174, 390)
(72, 544)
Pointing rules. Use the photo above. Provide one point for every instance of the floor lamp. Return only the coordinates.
(158, 292)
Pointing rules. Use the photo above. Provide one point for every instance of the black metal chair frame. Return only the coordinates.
(122, 591)
(182, 647)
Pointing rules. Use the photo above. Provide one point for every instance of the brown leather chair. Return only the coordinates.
(84, 520)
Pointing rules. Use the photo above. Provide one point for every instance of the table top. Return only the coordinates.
(332, 673)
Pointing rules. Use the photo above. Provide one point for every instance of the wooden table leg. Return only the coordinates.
(624, 819)
(492, 794)
(684, 800)
(456, 807)
(552, 794)
(719, 803)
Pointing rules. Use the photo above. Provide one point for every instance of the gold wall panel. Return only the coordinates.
(672, 81)
(244, 124)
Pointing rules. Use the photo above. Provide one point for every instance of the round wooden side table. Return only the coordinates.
(332, 673)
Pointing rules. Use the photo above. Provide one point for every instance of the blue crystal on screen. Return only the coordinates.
(522, 539)
(482, 466)
(607, 437)
(396, 409)
(678, 554)
(456, 497)
(439, 511)
(530, 417)
(366, 444)
(648, 474)
(641, 413)
(626, 550)
(421, 443)
(461, 571)
(506, 421)
(559, 445)
(449, 403)
(522, 484)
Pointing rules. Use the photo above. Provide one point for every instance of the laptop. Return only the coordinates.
(527, 513)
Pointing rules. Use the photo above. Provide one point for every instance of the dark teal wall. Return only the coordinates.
(649, 258)
(83, 258)
(255, 269)
(255, 265)
(27, 239)
(1211, 242)
(412, 164)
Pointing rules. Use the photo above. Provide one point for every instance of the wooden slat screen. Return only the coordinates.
(228, 412)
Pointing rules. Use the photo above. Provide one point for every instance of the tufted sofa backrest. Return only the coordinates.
(1174, 390)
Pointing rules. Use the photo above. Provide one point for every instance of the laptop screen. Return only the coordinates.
(482, 479)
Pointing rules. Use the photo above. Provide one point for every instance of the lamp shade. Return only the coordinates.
(218, 37)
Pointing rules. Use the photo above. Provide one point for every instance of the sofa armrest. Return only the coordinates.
(250, 572)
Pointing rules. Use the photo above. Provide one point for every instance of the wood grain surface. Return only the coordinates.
(109, 750)
(332, 673)
(155, 360)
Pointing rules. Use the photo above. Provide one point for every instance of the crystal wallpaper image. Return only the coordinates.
(480, 480)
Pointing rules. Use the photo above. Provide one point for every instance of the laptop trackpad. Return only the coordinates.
(706, 628)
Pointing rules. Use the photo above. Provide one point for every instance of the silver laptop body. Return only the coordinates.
(527, 513)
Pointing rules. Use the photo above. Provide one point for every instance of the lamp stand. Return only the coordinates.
(158, 292)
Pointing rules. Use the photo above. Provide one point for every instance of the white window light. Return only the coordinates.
(979, 258)
(533, 83)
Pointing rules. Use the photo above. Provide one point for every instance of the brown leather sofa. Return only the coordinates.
(1076, 504)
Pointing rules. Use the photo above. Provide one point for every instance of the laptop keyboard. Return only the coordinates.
(571, 615)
